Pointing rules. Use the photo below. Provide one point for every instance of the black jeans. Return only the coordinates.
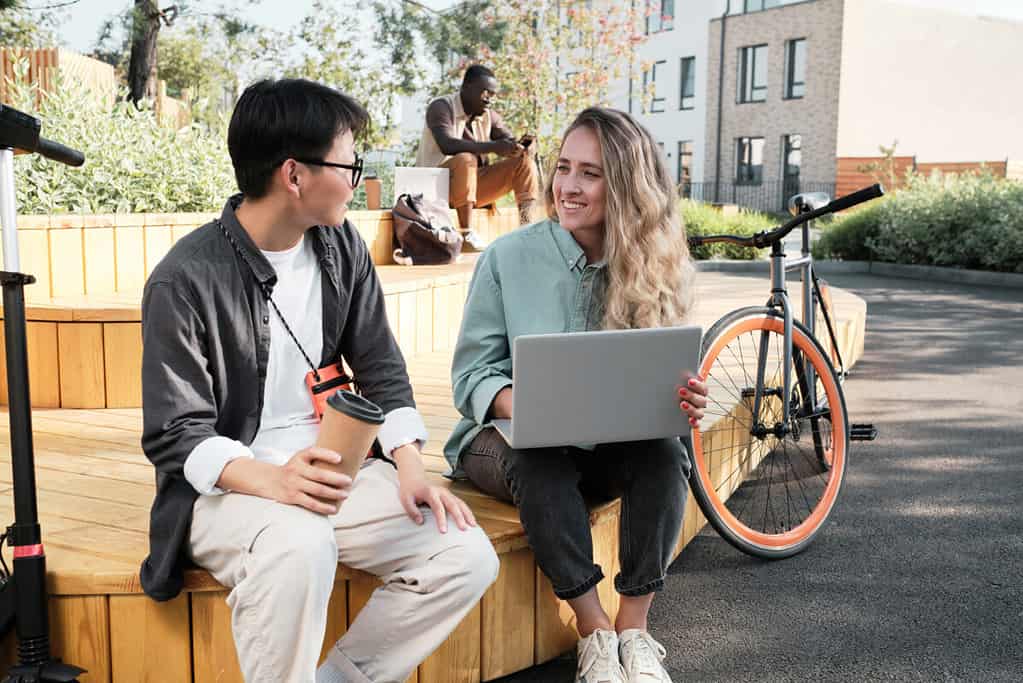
(551, 486)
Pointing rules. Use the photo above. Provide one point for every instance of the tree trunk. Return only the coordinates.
(142, 67)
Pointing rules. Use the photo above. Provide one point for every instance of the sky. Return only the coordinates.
(84, 19)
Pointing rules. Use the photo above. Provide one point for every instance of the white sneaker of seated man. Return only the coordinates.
(641, 657)
(474, 240)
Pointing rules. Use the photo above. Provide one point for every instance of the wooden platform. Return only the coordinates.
(95, 488)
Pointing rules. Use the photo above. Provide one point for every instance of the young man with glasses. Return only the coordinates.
(233, 319)
(461, 132)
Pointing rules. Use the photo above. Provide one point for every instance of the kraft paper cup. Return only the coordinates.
(350, 423)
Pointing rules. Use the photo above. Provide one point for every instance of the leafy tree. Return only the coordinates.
(552, 57)
(23, 26)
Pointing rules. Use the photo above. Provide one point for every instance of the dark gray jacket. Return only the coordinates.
(206, 340)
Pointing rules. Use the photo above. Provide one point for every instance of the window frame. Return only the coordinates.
(755, 178)
(684, 154)
(790, 64)
(683, 73)
(651, 77)
(662, 25)
(748, 67)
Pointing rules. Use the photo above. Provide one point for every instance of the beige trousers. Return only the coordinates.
(279, 562)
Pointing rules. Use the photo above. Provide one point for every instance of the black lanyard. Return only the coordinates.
(267, 289)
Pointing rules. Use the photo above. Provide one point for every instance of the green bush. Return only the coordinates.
(704, 219)
(132, 162)
(967, 221)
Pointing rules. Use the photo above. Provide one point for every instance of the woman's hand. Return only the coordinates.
(693, 395)
(414, 489)
(501, 407)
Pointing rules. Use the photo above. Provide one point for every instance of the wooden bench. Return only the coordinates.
(95, 488)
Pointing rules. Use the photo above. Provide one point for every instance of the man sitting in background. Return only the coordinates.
(460, 131)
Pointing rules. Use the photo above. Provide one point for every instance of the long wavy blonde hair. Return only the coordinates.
(650, 272)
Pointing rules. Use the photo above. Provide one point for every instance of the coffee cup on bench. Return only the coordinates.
(349, 426)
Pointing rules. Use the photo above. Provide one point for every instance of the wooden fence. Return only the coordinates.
(97, 77)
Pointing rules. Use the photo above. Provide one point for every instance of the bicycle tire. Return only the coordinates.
(715, 486)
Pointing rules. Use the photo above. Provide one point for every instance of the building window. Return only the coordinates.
(747, 6)
(752, 75)
(795, 68)
(684, 173)
(792, 164)
(749, 163)
(687, 90)
(650, 87)
(660, 16)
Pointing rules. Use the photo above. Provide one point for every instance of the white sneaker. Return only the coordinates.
(641, 657)
(474, 240)
(597, 659)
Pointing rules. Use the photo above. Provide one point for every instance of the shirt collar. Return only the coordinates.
(459, 110)
(264, 272)
(571, 253)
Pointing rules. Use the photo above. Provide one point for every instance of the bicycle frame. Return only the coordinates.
(780, 300)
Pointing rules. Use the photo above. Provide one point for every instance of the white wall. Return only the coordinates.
(946, 86)
(688, 38)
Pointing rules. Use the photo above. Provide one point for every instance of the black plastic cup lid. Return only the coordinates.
(356, 407)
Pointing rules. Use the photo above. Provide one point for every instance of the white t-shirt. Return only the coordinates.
(288, 423)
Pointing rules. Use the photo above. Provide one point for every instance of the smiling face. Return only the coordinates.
(579, 186)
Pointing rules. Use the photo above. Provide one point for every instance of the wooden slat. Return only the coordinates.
(100, 274)
(122, 352)
(67, 262)
(457, 660)
(158, 242)
(407, 329)
(555, 622)
(80, 358)
(130, 250)
(214, 659)
(150, 642)
(43, 374)
(79, 635)
(424, 320)
(507, 639)
(337, 616)
(34, 254)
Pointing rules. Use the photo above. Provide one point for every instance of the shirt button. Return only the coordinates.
(266, 319)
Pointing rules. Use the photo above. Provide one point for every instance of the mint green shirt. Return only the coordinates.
(531, 281)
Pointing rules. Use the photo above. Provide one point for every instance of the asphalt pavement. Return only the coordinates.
(918, 575)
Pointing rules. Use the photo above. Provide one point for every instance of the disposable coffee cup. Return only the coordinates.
(350, 423)
(373, 188)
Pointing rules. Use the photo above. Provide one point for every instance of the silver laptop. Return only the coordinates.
(586, 388)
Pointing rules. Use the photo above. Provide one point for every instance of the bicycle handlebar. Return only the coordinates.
(58, 152)
(767, 238)
(20, 131)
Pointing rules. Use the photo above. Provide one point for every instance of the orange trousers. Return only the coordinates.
(483, 185)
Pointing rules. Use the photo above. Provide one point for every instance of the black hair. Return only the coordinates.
(275, 120)
(476, 72)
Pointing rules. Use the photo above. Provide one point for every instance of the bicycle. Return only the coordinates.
(767, 471)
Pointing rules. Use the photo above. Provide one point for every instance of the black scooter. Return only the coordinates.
(23, 599)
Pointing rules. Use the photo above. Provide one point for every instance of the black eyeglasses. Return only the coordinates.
(355, 168)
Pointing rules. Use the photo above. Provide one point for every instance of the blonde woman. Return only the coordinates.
(612, 255)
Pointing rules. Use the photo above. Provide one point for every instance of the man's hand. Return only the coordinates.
(301, 482)
(507, 148)
(414, 489)
(693, 395)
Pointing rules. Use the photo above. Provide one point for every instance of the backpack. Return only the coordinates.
(423, 234)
